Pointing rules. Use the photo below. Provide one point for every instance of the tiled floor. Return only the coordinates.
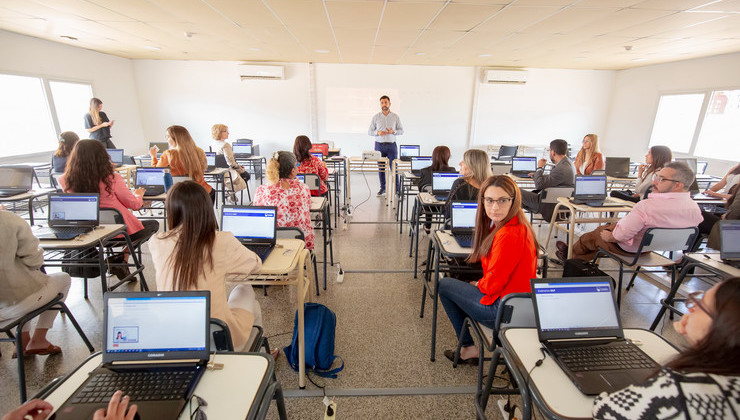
(380, 336)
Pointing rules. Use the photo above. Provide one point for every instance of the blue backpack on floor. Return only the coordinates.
(319, 324)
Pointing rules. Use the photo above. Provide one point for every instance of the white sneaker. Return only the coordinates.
(381, 193)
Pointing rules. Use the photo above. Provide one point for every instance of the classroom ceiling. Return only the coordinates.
(585, 34)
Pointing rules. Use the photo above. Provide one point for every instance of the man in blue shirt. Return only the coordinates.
(385, 126)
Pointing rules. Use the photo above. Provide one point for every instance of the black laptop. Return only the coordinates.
(618, 167)
(210, 161)
(151, 179)
(442, 184)
(522, 166)
(729, 232)
(406, 151)
(420, 162)
(70, 215)
(462, 222)
(591, 191)
(242, 150)
(254, 226)
(15, 180)
(116, 156)
(161, 146)
(579, 326)
(155, 348)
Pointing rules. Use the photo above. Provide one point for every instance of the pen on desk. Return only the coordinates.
(707, 257)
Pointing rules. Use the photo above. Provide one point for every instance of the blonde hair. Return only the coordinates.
(477, 161)
(94, 114)
(216, 131)
(280, 166)
(190, 155)
(582, 156)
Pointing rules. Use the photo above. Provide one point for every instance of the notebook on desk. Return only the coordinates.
(254, 226)
(442, 184)
(155, 348)
(579, 326)
(522, 166)
(462, 222)
(729, 232)
(15, 180)
(70, 215)
(591, 191)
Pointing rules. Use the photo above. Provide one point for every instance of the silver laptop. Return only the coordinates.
(618, 167)
(522, 166)
(462, 222)
(15, 180)
(254, 226)
(729, 233)
(70, 215)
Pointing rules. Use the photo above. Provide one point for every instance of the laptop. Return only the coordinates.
(151, 179)
(254, 226)
(116, 156)
(618, 167)
(408, 150)
(579, 326)
(729, 233)
(161, 146)
(70, 215)
(420, 162)
(318, 155)
(462, 222)
(242, 150)
(522, 166)
(150, 339)
(210, 161)
(591, 190)
(301, 177)
(442, 184)
(15, 180)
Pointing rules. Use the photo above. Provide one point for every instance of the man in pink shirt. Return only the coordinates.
(668, 206)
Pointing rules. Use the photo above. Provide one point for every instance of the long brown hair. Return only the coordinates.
(718, 351)
(662, 156)
(440, 158)
(190, 216)
(587, 156)
(301, 148)
(67, 141)
(94, 113)
(88, 165)
(484, 235)
(187, 151)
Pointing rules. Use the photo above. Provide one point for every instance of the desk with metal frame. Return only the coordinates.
(285, 266)
(23, 203)
(243, 389)
(359, 164)
(258, 164)
(407, 182)
(337, 166)
(320, 206)
(397, 166)
(425, 204)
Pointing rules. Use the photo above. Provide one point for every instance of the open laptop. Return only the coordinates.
(462, 222)
(15, 180)
(254, 226)
(729, 233)
(301, 177)
(579, 326)
(155, 349)
(318, 155)
(116, 156)
(70, 215)
(420, 162)
(151, 179)
(522, 166)
(442, 184)
(409, 150)
(618, 167)
(242, 150)
(210, 161)
(591, 190)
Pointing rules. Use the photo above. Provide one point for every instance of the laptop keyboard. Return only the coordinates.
(262, 251)
(62, 232)
(464, 240)
(139, 386)
(615, 356)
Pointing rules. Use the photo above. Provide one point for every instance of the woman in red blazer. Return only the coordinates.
(589, 158)
(505, 245)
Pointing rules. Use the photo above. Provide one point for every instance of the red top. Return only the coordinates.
(293, 205)
(510, 263)
(314, 165)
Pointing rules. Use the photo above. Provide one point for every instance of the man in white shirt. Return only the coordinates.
(385, 126)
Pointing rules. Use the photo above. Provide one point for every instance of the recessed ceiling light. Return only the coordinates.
(484, 55)
(421, 53)
(322, 51)
(254, 49)
(580, 58)
(639, 59)
(151, 47)
(69, 37)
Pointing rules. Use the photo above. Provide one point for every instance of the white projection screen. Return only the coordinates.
(349, 110)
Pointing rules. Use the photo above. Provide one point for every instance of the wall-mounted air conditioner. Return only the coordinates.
(513, 76)
(261, 72)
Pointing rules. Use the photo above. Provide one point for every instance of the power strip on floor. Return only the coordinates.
(505, 412)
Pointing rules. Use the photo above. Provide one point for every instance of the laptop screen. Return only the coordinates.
(575, 307)
(730, 239)
(16, 178)
(590, 186)
(322, 148)
(523, 164)
(211, 158)
(442, 181)
(242, 148)
(155, 325)
(116, 155)
(73, 209)
(463, 214)
(617, 166)
(301, 178)
(247, 222)
(410, 150)
(161, 145)
(318, 155)
(420, 162)
(149, 176)
(691, 162)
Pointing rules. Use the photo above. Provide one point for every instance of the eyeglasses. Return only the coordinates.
(501, 201)
(695, 300)
(660, 178)
(198, 414)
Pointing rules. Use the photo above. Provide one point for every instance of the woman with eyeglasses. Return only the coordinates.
(505, 245)
(703, 381)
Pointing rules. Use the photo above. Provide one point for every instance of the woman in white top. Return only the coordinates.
(194, 255)
(655, 159)
(239, 175)
(731, 178)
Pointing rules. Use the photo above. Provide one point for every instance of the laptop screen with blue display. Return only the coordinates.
(420, 162)
(149, 176)
(575, 305)
(116, 155)
(410, 150)
(442, 181)
(250, 222)
(463, 214)
(242, 148)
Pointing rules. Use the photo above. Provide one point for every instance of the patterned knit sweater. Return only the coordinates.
(673, 395)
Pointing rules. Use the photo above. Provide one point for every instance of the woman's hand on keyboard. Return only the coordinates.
(116, 409)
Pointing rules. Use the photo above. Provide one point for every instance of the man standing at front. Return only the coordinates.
(385, 126)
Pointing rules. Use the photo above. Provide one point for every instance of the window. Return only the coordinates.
(720, 132)
(70, 104)
(675, 122)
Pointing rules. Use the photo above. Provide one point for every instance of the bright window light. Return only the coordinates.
(676, 121)
(719, 137)
(25, 120)
(71, 101)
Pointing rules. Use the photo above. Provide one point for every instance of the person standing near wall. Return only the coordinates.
(98, 124)
(385, 126)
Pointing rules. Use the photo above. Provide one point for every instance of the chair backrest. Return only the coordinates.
(313, 182)
(551, 195)
(221, 161)
(515, 310)
(110, 216)
(507, 152)
(668, 239)
(220, 336)
(701, 167)
(290, 233)
(500, 169)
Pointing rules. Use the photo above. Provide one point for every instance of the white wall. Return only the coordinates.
(637, 92)
(111, 77)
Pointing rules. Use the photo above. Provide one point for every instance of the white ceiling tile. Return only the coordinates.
(432, 40)
(515, 19)
(245, 12)
(667, 23)
(408, 15)
(620, 20)
(463, 17)
(141, 10)
(83, 9)
(305, 13)
(569, 19)
(391, 38)
(354, 15)
(722, 6)
(675, 5)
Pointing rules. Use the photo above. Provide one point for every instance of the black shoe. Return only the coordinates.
(561, 246)
(121, 271)
(562, 256)
(381, 192)
(450, 354)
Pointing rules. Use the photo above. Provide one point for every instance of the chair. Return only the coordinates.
(313, 182)
(55, 304)
(506, 152)
(654, 242)
(221, 163)
(296, 233)
(111, 216)
(221, 337)
(515, 310)
(548, 199)
(701, 167)
(500, 168)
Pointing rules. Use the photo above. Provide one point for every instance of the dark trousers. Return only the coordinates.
(108, 143)
(531, 201)
(150, 227)
(386, 150)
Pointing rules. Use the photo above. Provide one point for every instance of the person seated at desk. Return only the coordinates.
(589, 158)
(67, 141)
(505, 245)
(24, 286)
(561, 175)
(291, 196)
(474, 170)
(731, 178)
(733, 213)
(702, 382)
(89, 170)
(310, 164)
(39, 409)
(440, 159)
(183, 157)
(195, 255)
(239, 175)
(669, 206)
(655, 159)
